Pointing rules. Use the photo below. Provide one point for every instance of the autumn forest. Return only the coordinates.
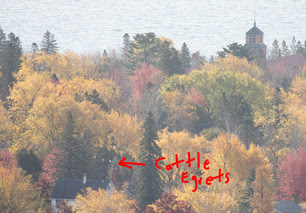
(67, 115)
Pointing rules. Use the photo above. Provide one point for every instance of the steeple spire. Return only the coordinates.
(254, 18)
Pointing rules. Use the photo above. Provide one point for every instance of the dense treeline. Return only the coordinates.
(66, 114)
(279, 50)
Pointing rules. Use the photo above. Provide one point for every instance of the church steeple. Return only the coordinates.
(254, 35)
(254, 18)
(254, 41)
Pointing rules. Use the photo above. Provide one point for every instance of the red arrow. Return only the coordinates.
(125, 164)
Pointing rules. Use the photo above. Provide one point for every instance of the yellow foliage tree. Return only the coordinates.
(23, 95)
(262, 199)
(236, 65)
(46, 119)
(121, 132)
(182, 113)
(294, 131)
(17, 193)
(205, 201)
(230, 155)
(100, 201)
(66, 65)
(6, 128)
(284, 124)
(180, 143)
(38, 107)
(107, 89)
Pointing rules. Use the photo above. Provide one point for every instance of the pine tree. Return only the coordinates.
(95, 98)
(299, 47)
(49, 44)
(150, 182)
(302, 49)
(239, 118)
(169, 61)
(176, 63)
(105, 68)
(293, 48)
(275, 51)
(247, 193)
(73, 157)
(126, 53)
(211, 59)
(126, 41)
(9, 62)
(237, 50)
(2, 38)
(185, 57)
(285, 49)
(144, 49)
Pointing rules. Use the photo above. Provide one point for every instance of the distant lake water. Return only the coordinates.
(205, 25)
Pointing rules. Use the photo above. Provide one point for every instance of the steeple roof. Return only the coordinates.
(254, 30)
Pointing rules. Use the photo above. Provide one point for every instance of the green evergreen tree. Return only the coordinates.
(244, 205)
(237, 50)
(300, 49)
(73, 158)
(144, 49)
(212, 59)
(275, 51)
(169, 61)
(95, 98)
(2, 38)
(285, 49)
(293, 48)
(105, 68)
(126, 41)
(49, 44)
(303, 49)
(260, 59)
(150, 184)
(176, 64)
(9, 62)
(29, 162)
(185, 57)
(239, 118)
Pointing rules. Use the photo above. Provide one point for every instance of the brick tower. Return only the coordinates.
(254, 41)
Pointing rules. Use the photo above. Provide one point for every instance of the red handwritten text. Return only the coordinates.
(185, 176)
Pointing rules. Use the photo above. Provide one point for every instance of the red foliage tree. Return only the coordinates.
(291, 177)
(7, 160)
(119, 176)
(143, 76)
(197, 98)
(48, 175)
(48, 169)
(116, 176)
